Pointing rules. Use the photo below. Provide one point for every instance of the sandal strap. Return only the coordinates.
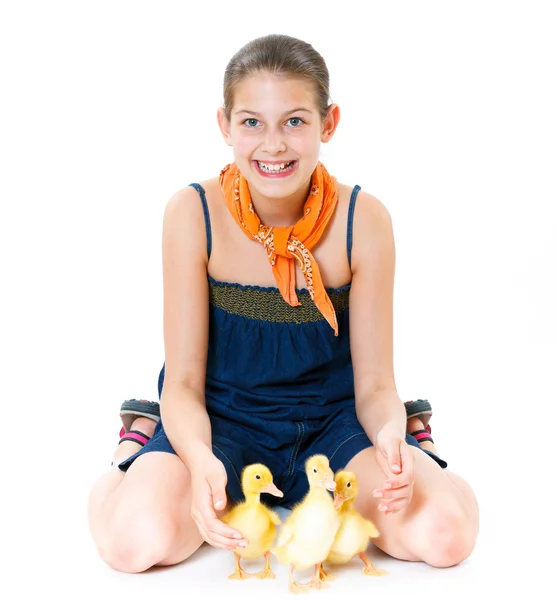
(422, 435)
(134, 436)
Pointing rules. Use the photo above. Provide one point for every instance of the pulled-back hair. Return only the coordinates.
(280, 55)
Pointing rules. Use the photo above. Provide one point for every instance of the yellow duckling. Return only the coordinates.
(308, 533)
(254, 521)
(355, 531)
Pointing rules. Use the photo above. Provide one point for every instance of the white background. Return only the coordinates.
(448, 116)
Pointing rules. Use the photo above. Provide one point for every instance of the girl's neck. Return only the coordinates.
(280, 212)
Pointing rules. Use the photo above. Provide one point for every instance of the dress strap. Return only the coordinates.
(201, 192)
(351, 208)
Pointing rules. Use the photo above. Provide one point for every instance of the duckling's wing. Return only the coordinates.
(285, 534)
(371, 529)
(233, 512)
(275, 519)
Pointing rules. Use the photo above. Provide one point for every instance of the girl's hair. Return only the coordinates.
(279, 55)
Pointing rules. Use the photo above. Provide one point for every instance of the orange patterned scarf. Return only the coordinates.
(285, 245)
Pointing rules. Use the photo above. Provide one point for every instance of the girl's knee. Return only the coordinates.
(133, 545)
(442, 536)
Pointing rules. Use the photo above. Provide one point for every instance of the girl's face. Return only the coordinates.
(275, 131)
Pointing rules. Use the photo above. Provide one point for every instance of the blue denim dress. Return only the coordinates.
(279, 384)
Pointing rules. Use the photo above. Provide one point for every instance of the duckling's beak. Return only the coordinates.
(273, 489)
(339, 500)
(329, 484)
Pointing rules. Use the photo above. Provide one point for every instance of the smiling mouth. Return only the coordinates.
(270, 169)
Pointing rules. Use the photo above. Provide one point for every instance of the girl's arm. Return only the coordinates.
(186, 324)
(371, 320)
(186, 331)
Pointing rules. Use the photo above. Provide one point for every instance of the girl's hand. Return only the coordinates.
(208, 481)
(397, 463)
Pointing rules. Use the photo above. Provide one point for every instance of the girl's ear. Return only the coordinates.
(224, 126)
(330, 123)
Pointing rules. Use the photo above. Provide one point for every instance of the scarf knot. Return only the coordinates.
(282, 239)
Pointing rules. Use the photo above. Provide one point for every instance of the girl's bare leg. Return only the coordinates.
(141, 518)
(439, 527)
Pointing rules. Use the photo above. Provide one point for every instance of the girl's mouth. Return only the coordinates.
(277, 170)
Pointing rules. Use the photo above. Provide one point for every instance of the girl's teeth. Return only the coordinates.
(276, 167)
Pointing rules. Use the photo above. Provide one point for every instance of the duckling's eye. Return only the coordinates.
(315, 470)
(258, 476)
(348, 484)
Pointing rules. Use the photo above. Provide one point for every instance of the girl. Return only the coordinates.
(278, 329)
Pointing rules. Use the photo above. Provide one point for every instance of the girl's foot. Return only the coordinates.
(141, 431)
(418, 414)
(139, 418)
(415, 427)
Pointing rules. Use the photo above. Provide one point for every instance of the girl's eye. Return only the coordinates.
(251, 123)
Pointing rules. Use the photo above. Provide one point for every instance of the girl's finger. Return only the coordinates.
(390, 507)
(204, 532)
(391, 450)
(216, 540)
(383, 463)
(212, 525)
(217, 527)
(225, 543)
(392, 494)
(397, 482)
(394, 484)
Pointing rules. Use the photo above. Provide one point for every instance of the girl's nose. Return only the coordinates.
(273, 142)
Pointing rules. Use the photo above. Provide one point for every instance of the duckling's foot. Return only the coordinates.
(316, 582)
(266, 572)
(369, 569)
(296, 588)
(374, 572)
(324, 576)
(239, 573)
